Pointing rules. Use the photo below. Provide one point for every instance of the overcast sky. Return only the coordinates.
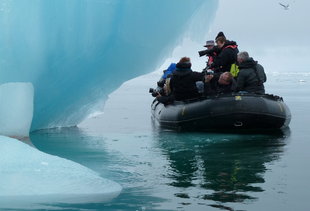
(277, 37)
(264, 22)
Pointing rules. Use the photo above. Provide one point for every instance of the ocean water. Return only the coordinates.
(165, 170)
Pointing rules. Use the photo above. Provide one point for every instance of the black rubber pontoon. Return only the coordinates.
(226, 112)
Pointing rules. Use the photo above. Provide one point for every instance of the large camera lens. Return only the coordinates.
(161, 83)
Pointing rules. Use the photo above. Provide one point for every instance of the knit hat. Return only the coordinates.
(184, 63)
(220, 34)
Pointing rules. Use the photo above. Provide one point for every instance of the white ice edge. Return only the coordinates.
(31, 176)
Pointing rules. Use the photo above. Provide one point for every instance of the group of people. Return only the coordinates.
(227, 71)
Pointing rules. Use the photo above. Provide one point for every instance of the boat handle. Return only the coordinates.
(238, 124)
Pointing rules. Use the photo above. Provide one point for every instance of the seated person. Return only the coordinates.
(251, 77)
(183, 81)
(223, 84)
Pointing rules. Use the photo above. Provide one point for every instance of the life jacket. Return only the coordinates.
(231, 46)
(211, 59)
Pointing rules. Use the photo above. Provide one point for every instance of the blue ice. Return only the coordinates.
(75, 52)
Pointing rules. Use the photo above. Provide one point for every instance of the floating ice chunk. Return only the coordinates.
(16, 109)
(29, 176)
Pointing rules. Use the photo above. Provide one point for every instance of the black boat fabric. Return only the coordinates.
(235, 111)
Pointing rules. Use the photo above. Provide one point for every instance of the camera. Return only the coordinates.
(161, 83)
(153, 92)
(205, 52)
(208, 72)
(157, 91)
(209, 52)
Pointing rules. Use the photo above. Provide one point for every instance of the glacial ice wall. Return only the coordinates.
(75, 52)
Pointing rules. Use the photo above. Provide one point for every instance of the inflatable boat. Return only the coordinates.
(224, 112)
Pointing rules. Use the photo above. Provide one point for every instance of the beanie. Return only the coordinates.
(184, 63)
(220, 34)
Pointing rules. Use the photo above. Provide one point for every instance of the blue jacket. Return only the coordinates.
(169, 70)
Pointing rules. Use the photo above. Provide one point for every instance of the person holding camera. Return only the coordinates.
(162, 88)
(222, 84)
(251, 77)
(210, 52)
(227, 55)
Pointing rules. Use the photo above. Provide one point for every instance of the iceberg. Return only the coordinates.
(16, 109)
(30, 177)
(75, 52)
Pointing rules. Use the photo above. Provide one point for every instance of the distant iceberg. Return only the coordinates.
(29, 177)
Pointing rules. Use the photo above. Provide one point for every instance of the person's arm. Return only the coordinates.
(233, 86)
(261, 73)
(198, 76)
(210, 85)
(264, 75)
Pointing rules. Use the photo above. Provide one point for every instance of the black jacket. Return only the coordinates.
(251, 77)
(183, 84)
(226, 57)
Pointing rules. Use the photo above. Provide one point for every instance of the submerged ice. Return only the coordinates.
(30, 176)
(75, 52)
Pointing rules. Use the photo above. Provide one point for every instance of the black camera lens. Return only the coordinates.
(161, 83)
(154, 94)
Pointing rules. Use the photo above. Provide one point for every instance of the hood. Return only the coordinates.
(229, 43)
(247, 64)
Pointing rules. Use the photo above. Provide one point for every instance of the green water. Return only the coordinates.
(170, 171)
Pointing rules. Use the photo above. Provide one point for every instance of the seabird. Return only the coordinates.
(284, 6)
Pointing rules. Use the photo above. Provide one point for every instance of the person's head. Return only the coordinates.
(184, 63)
(185, 60)
(242, 56)
(225, 78)
(220, 41)
(209, 44)
(220, 34)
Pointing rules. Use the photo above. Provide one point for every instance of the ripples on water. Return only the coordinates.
(170, 171)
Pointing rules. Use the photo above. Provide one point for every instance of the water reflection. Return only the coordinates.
(73, 144)
(227, 168)
(92, 151)
(185, 169)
